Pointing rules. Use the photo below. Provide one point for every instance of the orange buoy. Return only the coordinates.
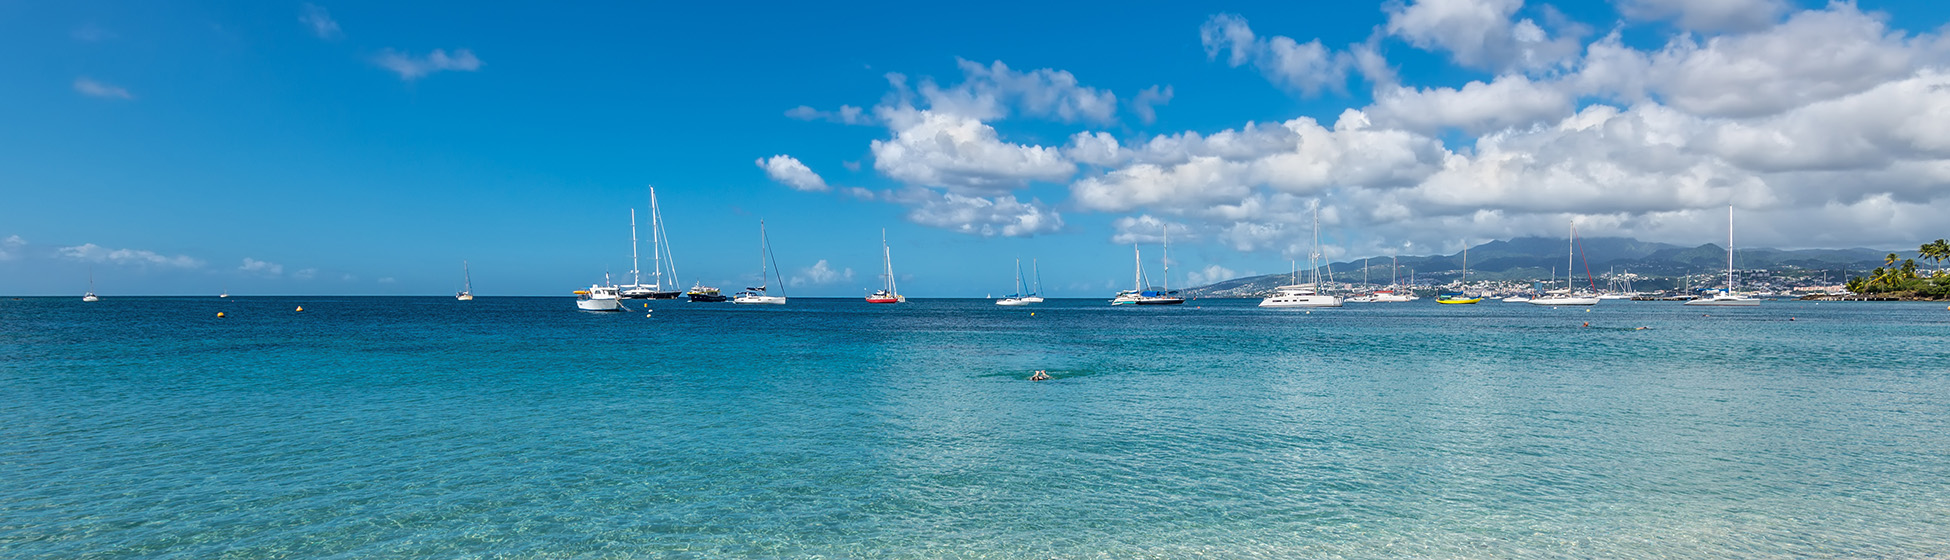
(219, 314)
(301, 308)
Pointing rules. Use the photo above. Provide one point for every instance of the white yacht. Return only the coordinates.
(1304, 295)
(1016, 298)
(1035, 293)
(466, 290)
(758, 295)
(599, 297)
(1566, 296)
(90, 296)
(1726, 297)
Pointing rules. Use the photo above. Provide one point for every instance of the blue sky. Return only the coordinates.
(368, 148)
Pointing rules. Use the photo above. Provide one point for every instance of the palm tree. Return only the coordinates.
(1936, 252)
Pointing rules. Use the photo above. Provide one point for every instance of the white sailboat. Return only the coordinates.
(1141, 296)
(1036, 293)
(1304, 295)
(1727, 297)
(1015, 298)
(467, 288)
(1567, 296)
(758, 294)
(887, 293)
(599, 297)
(90, 296)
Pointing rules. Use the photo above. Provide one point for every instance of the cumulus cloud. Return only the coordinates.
(1479, 34)
(11, 247)
(988, 217)
(961, 154)
(319, 21)
(1306, 67)
(255, 266)
(411, 67)
(1511, 100)
(1147, 102)
(93, 253)
(788, 171)
(994, 91)
(1707, 15)
(89, 87)
(822, 273)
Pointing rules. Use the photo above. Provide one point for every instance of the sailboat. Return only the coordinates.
(758, 294)
(90, 296)
(887, 293)
(1727, 297)
(1459, 296)
(599, 297)
(1141, 296)
(1567, 297)
(467, 289)
(659, 250)
(1015, 298)
(1036, 293)
(1304, 295)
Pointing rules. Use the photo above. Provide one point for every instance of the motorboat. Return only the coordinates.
(705, 294)
(599, 297)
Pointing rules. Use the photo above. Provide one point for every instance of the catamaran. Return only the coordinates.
(599, 297)
(753, 295)
(1459, 296)
(1016, 298)
(1035, 294)
(887, 293)
(1727, 297)
(1141, 296)
(659, 250)
(1388, 295)
(1304, 295)
(1567, 296)
(467, 286)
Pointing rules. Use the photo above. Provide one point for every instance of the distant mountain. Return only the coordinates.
(1539, 258)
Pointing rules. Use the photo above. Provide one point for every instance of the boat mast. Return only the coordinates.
(1018, 277)
(656, 245)
(766, 242)
(1167, 258)
(467, 278)
(1313, 259)
(888, 255)
(1038, 272)
(1570, 249)
(1137, 255)
(636, 279)
(1729, 249)
(1465, 276)
(763, 278)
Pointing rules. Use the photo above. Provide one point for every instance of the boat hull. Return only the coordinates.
(1161, 301)
(759, 300)
(884, 300)
(1012, 302)
(598, 305)
(1032, 299)
(1302, 301)
(1458, 301)
(1718, 302)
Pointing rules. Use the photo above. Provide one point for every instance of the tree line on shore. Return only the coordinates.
(1900, 276)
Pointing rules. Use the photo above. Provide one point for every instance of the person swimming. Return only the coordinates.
(1040, 375)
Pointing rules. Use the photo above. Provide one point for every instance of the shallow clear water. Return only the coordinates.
(518, 428)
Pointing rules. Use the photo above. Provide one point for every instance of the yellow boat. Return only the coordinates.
(1457, 299)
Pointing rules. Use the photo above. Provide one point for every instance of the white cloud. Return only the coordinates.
(260, 267)
(961, 154)
(1511, 100)
(1211, 274)
(788, 171)
(411, 68)
(305, 273)
(89, 87)
(822, 273)
(319, 21)
(1305, 67)
(1146, 229)
(1707, 15)
(994, 91)
(987, 217)
(10, 248)
(847, 114)
(93, 253)
(1147, 102)
(1479, 33)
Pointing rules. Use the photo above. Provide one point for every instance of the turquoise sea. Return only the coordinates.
(519, 428)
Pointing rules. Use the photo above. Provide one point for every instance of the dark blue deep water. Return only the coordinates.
(519, 428)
